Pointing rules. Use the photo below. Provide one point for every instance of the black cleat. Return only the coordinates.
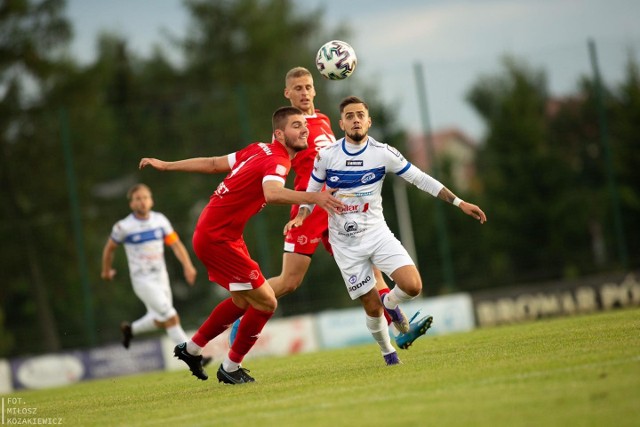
(236, 377)
(193, 362)
(127, 335)
(206, 360)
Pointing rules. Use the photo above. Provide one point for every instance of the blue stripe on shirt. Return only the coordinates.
(351, 179)
(144, 236)
(404, 169)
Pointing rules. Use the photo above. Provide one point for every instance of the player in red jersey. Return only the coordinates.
(257, 175)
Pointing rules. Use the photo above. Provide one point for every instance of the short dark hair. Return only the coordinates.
(135, 188)
(352, 100)
(281, 116)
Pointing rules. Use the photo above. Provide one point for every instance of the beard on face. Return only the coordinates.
(291, 143)
(357, 136)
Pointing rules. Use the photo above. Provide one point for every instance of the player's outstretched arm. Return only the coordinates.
(196, 164)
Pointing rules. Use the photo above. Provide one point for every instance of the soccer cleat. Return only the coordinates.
(416, 330)
(398, 317)
(206, 360)
(233, 332)
(236, 377)
(392, 359)
(194, 363)
(127, 334)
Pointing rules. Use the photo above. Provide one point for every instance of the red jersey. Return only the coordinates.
(320, 135)
(240, 196)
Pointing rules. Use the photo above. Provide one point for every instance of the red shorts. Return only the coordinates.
(304, 239)
(228, 262)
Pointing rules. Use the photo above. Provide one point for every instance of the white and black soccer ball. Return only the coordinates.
(336, 60)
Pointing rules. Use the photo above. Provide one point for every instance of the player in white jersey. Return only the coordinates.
(356, 166)
(144, 233)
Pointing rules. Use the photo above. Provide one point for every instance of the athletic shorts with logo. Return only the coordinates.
(355, 260)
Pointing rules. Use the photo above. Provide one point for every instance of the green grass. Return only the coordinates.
(576, 371)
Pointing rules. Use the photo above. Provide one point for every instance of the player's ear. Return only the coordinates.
(340, 124)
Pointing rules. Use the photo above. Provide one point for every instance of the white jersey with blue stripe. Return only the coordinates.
(143, 240)
(358, 172)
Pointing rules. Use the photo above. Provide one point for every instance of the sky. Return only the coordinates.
(455, 42)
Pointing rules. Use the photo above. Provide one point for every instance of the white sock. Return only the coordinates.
(176, 333)
(380, 332)
(396, 296)
(144, 324)
(229, 365)
(193, 348)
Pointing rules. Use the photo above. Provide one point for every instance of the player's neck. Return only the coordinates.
(142, 216)
(357, 143)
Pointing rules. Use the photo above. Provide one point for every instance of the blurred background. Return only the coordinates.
(530, 109)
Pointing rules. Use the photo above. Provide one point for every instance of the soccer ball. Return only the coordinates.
(336, 60)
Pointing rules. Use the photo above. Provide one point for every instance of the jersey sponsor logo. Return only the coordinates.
(355, 163)
(353, 209)
(221, 190)
(358, 285)
(350, 226)
(358, 194)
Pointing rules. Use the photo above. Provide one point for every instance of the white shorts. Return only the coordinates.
(154, 291)
(356, 261)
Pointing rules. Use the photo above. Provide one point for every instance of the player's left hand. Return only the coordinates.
(295, 222)
(474, 211)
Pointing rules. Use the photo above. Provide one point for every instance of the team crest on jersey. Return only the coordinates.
(355, 163)
(367, 177)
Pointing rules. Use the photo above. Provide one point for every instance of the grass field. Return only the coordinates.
(577, 371)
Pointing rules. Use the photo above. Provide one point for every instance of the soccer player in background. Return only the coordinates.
(355, 167)
(257, 177)
(144, 233)
(301, 242)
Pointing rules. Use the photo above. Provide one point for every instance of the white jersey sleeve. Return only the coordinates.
(421, 180)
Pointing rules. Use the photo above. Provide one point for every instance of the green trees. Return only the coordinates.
(542, 169)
